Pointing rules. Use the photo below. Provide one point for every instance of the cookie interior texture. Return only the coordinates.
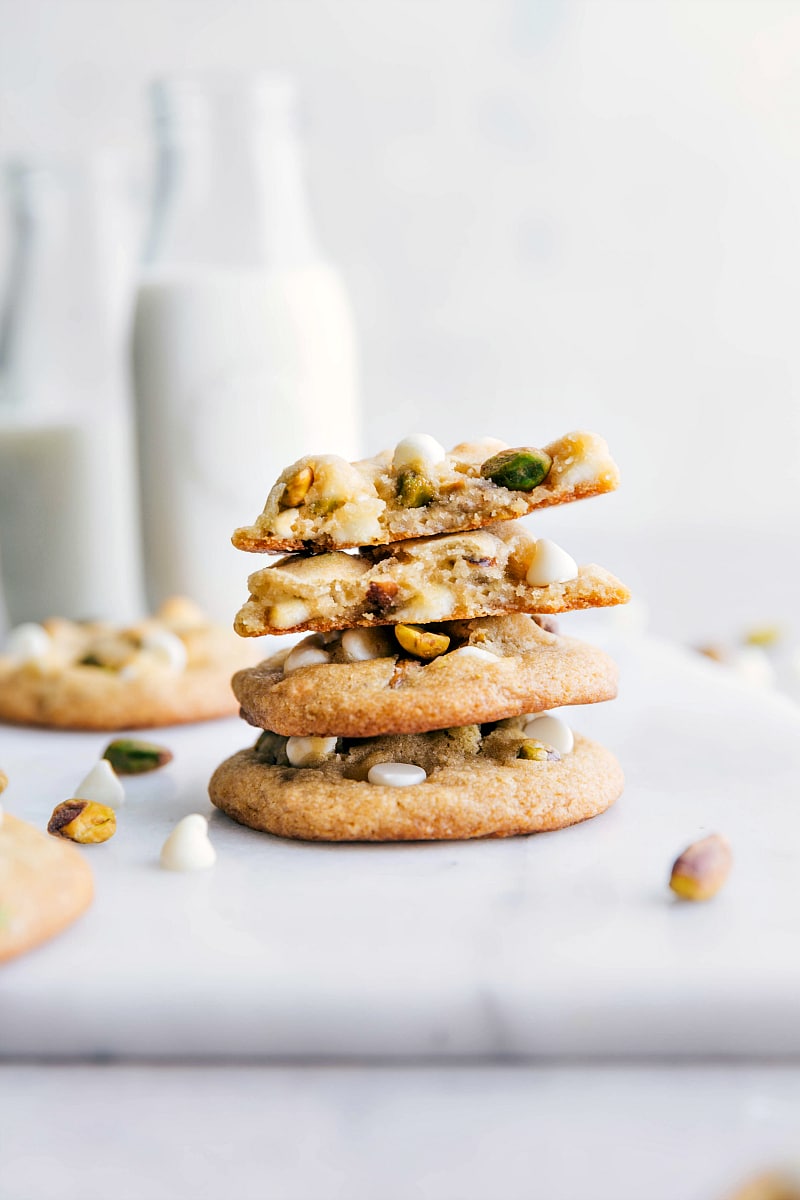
(44, 885)
(476, 787)
(446, 577)
(533, 670)
(358, 504)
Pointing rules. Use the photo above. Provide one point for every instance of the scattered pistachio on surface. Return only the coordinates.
(763, 635)
(3, 781)
(702, 869)
(538, 752)
(83, 821)
(295, 491)
(414, 490)
(128, 756)
(520, 470)
(421, 642)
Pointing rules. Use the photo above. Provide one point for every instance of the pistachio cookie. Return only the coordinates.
(362, 683)
(322, 501)
(168, 669)
(45, 884)
(457, 783)
(502, 569)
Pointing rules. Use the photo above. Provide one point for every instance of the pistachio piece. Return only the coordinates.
(381, 595)
(702, 869)
(131, 757)
(295, 491)
(83, 821)
(3, 781)
(538, 752)
(421, 642)
(414, 490)
(271, 748)
(520, 470)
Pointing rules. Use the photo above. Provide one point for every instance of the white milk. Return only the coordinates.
(68, 528)
(237, 374)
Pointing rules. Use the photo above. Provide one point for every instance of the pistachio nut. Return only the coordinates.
(537, 751)
(413, 489)
(83, 821)
(702, 869)
(128, 756)
(3, 781)
(520, 470)
(295, 491)
(421, 642)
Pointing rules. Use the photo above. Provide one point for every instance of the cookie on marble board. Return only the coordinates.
(172, 668)
(322, 501)
(482, 572)
(466, 783)
(492, 667)
(45, 884)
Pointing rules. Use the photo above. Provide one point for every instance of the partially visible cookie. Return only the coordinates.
(169, 669)
(482, 572)
(495, 667)
(44, 885)
(476, 786)
(418, 489)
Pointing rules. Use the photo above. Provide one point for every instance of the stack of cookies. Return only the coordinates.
(421, 705)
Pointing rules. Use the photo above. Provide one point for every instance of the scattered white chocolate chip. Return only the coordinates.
(188, 847)
(552, 731)
(310, 751)
(27, 643)
(308, 653)
(417, 450)
(397, 775)
(475, 652)
(102, 785)
(360, 645)
(288, 613)
(166, 648)
(550, 564)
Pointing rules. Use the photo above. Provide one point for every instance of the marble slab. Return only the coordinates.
(564, 944)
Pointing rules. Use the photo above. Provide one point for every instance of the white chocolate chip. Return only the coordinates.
(288, 613)
(475, 652)
(102, 785)
(308, 653)
(552, 731)
(397, 775)
(166, 648)
(361, 645)
(27, 643)
(420, 450)
(435, 603)
(284, 522)
(188, 847)
(310, 751)
(550, 564)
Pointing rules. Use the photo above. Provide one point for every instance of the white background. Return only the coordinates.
(550, 214)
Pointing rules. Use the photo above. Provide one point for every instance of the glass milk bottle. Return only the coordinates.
(69, 538)
(244, 351)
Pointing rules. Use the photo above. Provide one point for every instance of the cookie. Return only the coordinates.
(169, 669)
(322, 501)
(476, 786)
(448, 577)
(44, 885)
(495, 667)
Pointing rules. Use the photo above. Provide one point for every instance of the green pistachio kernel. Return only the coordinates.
(129, 756)
(271, 748)
(519, 470)
(537, 751)
(414, 490)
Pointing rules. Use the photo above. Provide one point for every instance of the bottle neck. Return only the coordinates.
(229, 189)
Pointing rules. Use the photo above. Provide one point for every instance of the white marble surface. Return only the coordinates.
(311, 1133)
(559, 945)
